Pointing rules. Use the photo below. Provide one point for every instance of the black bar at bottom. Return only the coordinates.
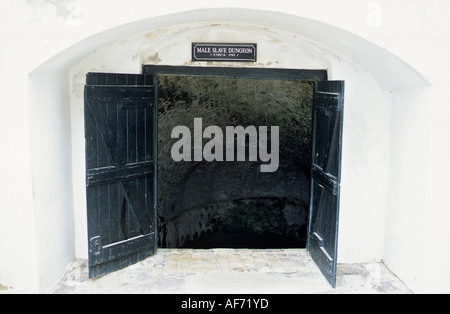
(222, 303)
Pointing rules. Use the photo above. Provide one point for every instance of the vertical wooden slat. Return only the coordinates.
(131, 135)
(141, 135)
(103, 212)
(152, 141)
(121, 150)
(101, 79)
(121, 80)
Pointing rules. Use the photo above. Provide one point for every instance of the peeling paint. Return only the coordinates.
(68, 10)
(156, 34)
(153, 59)
(4, 288)
(78, 84)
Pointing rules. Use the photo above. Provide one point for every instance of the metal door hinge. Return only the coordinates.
(95, 245)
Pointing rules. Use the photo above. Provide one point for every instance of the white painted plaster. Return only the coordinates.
(51, 173)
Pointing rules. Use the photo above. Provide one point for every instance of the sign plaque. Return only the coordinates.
(224, 52)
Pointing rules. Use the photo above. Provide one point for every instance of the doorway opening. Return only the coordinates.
(232, 204)
(129, 168)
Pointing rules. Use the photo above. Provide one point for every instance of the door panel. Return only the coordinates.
(120, 131)
(325, 176)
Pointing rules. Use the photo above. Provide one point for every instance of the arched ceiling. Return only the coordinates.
(390, 71)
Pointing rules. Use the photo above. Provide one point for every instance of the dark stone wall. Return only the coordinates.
(199, 198)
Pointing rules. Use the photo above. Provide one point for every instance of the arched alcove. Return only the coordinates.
(285, 41)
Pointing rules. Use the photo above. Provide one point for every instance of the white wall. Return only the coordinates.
(51, 163)
(18, 261)
(408, 184)
(42, 218)
(366, 133)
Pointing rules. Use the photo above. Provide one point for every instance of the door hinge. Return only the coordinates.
(95, 245)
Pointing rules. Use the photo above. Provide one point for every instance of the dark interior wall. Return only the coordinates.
(200, 198)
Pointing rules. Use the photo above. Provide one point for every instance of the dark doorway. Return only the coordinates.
(226, 204)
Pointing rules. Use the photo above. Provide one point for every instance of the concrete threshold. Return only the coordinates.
(231, 271)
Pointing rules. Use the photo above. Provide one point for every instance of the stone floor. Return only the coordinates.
(231, 271)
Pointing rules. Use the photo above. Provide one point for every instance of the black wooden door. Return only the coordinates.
(120, 131)
(326, 169)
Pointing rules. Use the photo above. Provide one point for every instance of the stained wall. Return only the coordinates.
(394, 198)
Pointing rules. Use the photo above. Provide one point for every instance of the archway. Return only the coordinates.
(363, 65)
